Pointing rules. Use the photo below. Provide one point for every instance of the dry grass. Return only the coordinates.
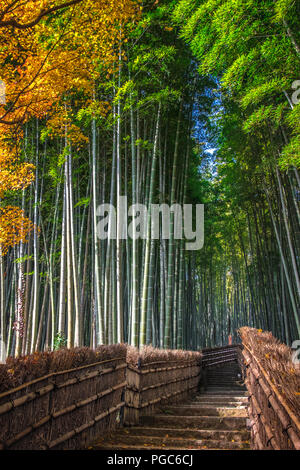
(276, 359)
(148, 354)
(18, 371)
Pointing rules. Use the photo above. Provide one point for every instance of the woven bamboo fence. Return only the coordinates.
(65, 409)
(68, 409)
(164, 380)
(218, 356)
(273, 382)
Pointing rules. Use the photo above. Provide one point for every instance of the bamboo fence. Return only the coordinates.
(275, 423)
(159, 382)
(64, 410)
(216, 357)
(68, 409)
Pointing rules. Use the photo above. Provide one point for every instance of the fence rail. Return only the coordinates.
(71, 408)
(149, 386)
(63, 409)
(273, 423)
(221, 355)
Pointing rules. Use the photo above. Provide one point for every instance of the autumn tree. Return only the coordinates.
(48, 49)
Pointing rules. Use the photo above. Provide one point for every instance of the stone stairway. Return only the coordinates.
(214, 419)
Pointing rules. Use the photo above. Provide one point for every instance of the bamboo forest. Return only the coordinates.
(162, 102)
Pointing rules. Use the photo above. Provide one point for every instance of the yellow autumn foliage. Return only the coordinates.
(39, 65)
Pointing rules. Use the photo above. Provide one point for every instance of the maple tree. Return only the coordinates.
(42, 58)
(14, 175)
(22, 15)
(41, 63)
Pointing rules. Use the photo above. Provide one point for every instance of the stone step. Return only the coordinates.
(137, 448)
(223, 373)
(221, 391)
(233, 371)
(237, 436)
(223, 378)
(205, 405)
(131, 442)
(230, 378)
(230, 383)
(226, 388)
(218, 384)
(236, 397)
(204, 411)
(212, 404)
(225, 385)
(226, 404)
(221, 400)
(199, 422)
(210, 390)
(233, 386)
(213, 420)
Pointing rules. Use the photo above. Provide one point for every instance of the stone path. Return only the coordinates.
(214, 419)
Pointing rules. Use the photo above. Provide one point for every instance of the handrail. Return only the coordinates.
(275, 390)
(262, 423)
(221, 355)
(58, 373)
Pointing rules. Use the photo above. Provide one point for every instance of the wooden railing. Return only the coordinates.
(156, 383)
(71, 408)
(216, 356)
(274, 425)
(64, 409)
